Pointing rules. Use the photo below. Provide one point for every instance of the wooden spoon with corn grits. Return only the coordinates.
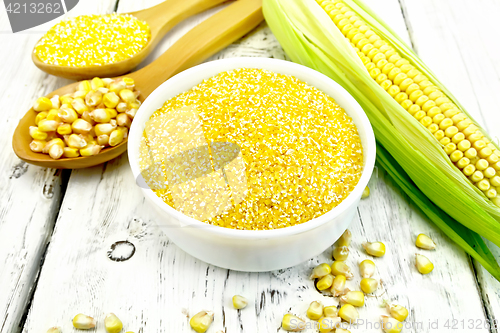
(160, 18)
(204, 40)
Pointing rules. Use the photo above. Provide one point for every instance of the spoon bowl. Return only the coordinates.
(160, 18)
(201, 42)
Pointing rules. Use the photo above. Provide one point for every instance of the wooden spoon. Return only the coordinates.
(160, 18)
(204, 40)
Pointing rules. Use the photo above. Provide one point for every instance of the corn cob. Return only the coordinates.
(465, 144)
(324, 35)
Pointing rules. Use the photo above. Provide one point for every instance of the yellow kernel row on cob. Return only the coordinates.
(464, 143)
(97, 115)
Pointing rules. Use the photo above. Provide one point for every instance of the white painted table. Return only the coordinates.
(57, 227)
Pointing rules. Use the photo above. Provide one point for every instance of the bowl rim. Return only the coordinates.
(314, 78)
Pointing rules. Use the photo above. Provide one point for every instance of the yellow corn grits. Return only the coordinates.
(93, 40)
(302, 152)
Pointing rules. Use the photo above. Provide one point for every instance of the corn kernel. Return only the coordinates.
(90, 150)
(391, 325)
(367, 268)
(315, 310)
(37, 146)
(201, 321)
(83, 322)
(338, 285)
(345, 239)
(36, 134)
(356, 298)
(42, 104)
(425, 242)
(340, 268)
(54, 330)
(291, 323)
(70, 152)
(123, 119)
(368, 285)
(330, 311)
(340, 253)
(376, 249)
(398, 312)
(325, 282)
(81, 126)
(239, 302)
(424, 265)
(348, 313)
(366, 193)
(64, 129)
(328, 324)
(112, 323)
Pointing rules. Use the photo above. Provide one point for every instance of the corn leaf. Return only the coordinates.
(468, 240)
(309, 37)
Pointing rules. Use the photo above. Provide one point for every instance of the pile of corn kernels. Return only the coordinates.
(301, 151)
(97, 115)
(93, 40)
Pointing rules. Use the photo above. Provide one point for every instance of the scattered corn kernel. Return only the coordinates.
(398, 312)
(340, 268)
(424, 265)
(425, 242)
(328, 324)
(356, 298)
(391, 325)
(325, 282)
(340, 253)
(338, 285)
(367, 268)
(348, 313)
(83, 322)
(292, 323)
(345, 239)
(239, 302)
(368, 285)
(376, 249)
(315, 310)
(320, 271)
(330, 311)
(201, 321)
(54, 330)
(366, 193)
(93, 40)
(112, 323)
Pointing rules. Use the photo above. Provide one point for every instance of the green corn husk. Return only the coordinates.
(310, 37)
(468, 240)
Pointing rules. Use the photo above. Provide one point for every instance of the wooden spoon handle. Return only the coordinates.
(164, 16)
(201, 42)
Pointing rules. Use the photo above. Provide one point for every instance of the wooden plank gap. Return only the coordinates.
(409, 28)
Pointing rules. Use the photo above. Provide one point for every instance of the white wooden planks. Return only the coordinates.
(160, 285)
(29, 195)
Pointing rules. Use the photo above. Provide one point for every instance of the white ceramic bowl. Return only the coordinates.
(254, 250)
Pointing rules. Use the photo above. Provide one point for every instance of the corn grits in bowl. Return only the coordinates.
(260, 163)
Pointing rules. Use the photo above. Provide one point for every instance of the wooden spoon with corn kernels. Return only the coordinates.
(160, 18)
(204, 40)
